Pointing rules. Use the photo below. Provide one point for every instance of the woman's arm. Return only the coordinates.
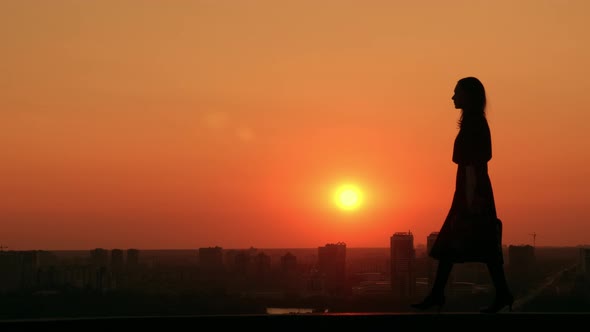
(470, 185)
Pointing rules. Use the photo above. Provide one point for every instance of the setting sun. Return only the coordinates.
(348, 197)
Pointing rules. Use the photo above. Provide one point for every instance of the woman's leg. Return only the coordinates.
(437, 293)
(503, 295)
(443, 272)
(499, 279)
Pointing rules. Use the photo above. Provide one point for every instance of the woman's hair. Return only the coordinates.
(475, 95)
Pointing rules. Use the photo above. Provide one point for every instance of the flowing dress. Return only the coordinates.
(471, 232)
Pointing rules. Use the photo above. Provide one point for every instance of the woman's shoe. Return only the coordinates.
(430, 301)
(499, 303)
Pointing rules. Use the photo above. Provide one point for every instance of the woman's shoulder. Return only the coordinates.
(476, 123)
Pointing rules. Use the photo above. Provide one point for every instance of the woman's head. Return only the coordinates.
(470, 96)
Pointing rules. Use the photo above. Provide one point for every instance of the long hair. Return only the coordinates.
(475, 98)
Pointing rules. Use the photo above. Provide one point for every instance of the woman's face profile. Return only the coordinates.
(459, 97)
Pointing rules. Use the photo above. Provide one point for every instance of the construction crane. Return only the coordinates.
(534, 235)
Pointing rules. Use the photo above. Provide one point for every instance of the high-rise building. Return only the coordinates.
(584, 262)
(230, 259)
(117, 261)
(288, 263)
(18, 270)
(243, 263)
(288, 272)
(403, 256)
(132, 258)
(521, 261)
(262, 264)
(211, 259)
(241, 260)
(332, 266)
(99, 257)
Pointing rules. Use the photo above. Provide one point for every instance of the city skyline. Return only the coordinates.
(418, 243)
(327, 279)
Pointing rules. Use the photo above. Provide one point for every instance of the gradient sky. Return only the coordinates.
(185, 124)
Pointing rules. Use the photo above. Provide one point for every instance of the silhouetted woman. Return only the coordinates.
(471, 231)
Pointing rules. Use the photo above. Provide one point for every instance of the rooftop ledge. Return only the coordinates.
(315, 321)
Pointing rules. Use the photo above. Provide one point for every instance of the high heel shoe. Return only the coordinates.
(499, 303)
(430, 301)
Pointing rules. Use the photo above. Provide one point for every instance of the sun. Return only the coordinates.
(348, 197)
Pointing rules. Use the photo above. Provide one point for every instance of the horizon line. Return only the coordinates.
(7, 249)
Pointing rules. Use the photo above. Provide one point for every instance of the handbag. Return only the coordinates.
(476, 234)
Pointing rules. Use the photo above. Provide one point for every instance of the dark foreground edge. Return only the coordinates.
(315, 322)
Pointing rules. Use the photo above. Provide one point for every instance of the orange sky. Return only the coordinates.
(184, 124)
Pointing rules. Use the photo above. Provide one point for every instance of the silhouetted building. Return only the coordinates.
(262, 264)
(521, 261)
(99, 257)
(82, 277)
(13, 267)
(132, 258)
(211, 259)
(315, 282)
(332, 266)
(403, 255)
(289, 273)
(46, 258)
(29, 267)
(584, 262)
(230, 259)
(240, 260)
(117, 260)
(242, 263)
(49, 277)
(104, 279)
(20, 270)
(521, 258)
(10, 264)
(288, 263)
